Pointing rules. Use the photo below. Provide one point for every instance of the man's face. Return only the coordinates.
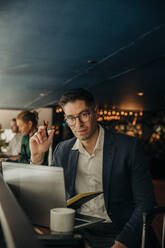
(82, 130)
(14, 127)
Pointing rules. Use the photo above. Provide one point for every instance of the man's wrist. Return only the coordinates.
(37, 159)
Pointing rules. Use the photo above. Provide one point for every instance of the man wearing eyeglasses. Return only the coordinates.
(96, 159)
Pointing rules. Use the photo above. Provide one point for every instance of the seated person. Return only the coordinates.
(27, 122)
(14, 147)
(97, 159)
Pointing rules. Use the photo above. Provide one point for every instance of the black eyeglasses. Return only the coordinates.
(83, 117)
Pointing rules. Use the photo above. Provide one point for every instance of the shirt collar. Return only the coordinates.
(99, 143)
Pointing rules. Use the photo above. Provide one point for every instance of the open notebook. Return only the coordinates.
(39, 189)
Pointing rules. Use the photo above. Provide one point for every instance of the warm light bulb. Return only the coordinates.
(140, 93)
(101, 112)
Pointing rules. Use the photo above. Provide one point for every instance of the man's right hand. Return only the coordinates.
(39, 144)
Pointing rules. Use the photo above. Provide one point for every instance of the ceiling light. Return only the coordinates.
(92, 61)
(42, 94)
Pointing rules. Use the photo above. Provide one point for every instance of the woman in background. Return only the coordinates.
(27, 122)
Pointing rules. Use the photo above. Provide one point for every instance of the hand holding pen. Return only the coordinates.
(40, 143)
(45, 123)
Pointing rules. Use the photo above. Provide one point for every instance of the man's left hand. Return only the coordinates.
(117, 244)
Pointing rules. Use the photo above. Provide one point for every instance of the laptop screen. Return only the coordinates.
(37, 188)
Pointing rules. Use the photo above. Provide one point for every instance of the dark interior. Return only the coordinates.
(113, 48)
(116, 49)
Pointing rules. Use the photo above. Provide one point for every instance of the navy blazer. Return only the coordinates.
(127, 183)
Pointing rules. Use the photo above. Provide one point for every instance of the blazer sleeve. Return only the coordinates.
(57, 154)
(143, 197)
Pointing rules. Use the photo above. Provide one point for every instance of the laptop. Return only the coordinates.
(38, 189)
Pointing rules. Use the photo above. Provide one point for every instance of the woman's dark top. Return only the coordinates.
(25, 152)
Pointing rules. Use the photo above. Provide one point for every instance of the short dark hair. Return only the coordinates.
(77, 94)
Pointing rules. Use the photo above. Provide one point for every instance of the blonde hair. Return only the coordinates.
(27, 116)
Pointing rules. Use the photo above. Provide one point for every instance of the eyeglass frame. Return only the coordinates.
(79, 117)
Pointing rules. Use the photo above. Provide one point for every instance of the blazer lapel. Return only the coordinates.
(73, 161)
(108, 153)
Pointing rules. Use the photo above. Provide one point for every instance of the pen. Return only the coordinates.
(45, 123)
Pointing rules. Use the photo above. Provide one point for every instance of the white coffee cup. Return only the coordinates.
(62, 220)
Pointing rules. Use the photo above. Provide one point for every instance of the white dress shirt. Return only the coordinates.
(89, 176)
(14, 147)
